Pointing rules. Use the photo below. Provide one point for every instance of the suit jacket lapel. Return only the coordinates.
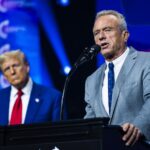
(4, 111)
(34, 104)
(126, 68)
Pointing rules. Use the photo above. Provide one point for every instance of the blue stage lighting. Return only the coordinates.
(63, 2)
(50, 26)
(67, 69)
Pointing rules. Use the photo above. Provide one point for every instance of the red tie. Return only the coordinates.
(16, 116)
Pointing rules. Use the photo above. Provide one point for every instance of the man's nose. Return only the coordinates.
(12, 71)
(102, 36)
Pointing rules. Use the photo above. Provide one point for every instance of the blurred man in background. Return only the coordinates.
(25, 102)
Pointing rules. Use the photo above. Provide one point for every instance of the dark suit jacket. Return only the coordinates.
(44, 105)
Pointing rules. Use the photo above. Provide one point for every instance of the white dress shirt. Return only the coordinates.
(25, 99)
(117, 67)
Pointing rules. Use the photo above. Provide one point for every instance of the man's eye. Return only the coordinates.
(6, 69)
(16, 65)
(95, 33)
(108, 29)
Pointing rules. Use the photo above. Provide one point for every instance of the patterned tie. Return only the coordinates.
(111, 82)
(16, 116)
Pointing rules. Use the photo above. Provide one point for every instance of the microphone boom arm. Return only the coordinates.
(87, 55)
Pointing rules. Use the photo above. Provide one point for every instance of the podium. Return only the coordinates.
(89, 134)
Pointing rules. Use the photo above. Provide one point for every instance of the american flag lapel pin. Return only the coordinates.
(37, 100)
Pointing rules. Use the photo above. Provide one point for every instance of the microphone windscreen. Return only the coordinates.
(95, 48)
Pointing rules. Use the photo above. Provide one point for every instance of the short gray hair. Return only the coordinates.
(121, 18)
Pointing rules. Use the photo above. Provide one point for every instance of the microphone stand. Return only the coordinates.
(86, 55)
(78, 63)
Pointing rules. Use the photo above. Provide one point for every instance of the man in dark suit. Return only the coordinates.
(120, 88)
(37, 103)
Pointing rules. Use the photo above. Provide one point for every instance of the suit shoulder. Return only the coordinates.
(5, 90)
(45, 89)
(144, 57)
(144, 54)
(96, 73)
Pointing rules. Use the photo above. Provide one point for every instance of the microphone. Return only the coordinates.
(88, 54)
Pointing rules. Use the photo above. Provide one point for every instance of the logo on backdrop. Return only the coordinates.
(3, 82)
(55, 148)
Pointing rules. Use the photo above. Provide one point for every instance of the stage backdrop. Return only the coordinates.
(53, 33)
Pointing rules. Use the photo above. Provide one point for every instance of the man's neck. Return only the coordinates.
(120, 52)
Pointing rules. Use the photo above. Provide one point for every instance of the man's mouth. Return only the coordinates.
(14, 79)
(104, 45)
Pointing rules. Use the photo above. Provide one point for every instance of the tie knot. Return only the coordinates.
(111, 66)
(19, 93)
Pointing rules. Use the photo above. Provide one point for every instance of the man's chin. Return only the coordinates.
(16, 84)
(108, 55)
(105, 52)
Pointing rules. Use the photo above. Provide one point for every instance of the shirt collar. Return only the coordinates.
(120, 58)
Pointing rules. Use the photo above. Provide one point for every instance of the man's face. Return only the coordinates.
(15, 71)
(108, 35)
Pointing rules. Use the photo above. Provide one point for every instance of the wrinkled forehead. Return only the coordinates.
(12, 61)
(106, 21)
(106, 18)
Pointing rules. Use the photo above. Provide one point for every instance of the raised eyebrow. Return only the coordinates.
(96, 31)
(16, 64)
(107, 27)
(5, 69)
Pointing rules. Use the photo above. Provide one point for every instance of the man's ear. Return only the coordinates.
(28, 68)
(125, 35)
